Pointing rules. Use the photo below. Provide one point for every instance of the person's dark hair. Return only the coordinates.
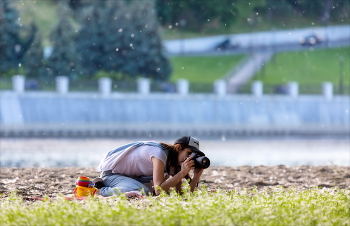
(172, 159)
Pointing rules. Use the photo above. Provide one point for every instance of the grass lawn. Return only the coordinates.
(5, 84)
(275, 206)
(308, 68)
(205, 69)
(202, 71)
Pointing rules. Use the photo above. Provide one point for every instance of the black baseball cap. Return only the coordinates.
(191, 143)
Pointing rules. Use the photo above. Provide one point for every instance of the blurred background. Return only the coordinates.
(261, 82)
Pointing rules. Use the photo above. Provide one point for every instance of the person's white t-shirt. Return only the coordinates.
(138, 162)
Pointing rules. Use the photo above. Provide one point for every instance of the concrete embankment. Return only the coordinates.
(49, 114)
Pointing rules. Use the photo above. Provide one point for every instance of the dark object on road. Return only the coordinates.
(32, 84)
(281, 89)
(226, 45)
(310, 40)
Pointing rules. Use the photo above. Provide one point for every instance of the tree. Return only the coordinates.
(90, 40)
(33, 59)
(15, 39)
(147, 53)
(75, 4)
(117, 25)
(9, 37)
(320, 8)
(313, 7)
(123, 38)
(196, 12)
(63, 60)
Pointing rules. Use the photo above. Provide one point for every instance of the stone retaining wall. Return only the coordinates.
(92, 114)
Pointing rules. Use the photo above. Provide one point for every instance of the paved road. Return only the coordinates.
(246, 70)
(260, 46)
(285, 40)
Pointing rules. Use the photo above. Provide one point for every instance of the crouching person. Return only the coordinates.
(149, 166)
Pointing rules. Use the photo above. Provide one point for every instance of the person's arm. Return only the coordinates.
(158, 174)
(195, 179)
(178, 187)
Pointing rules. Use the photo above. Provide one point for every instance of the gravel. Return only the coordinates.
(39, 181)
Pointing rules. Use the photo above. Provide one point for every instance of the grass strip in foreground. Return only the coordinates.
(276, 206)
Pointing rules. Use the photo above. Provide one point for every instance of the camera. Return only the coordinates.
(200, 161)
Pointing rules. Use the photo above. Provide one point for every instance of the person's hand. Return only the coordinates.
(187, 165)
(197, 172)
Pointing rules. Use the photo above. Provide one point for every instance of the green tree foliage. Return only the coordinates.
(197, 13)
(75, 4)
(147, 50)
(319, 8)
(9, 37)
(63, 60)
(33, 59)
(324, 10)
(90, 39)
(123, 38)
(15, 39)
(115, 45)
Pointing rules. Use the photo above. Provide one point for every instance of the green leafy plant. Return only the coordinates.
(277, 206)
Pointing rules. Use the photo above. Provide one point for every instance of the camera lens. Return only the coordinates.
(204, 162)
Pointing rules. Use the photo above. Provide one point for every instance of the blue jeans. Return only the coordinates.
(116, 184)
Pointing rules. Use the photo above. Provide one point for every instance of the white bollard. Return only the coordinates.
(105, 86)
(293, 89)
(327, 90)
(182, 86)
(18, 83)
(143, 85)
(62, 84)
(257, 88)
(220, 87)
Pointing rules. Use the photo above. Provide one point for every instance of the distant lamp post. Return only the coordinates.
(325, 18)
(251, 23)
(341, 68)
(273, 44)
(326, 38)
(182, 25)
(17, 51)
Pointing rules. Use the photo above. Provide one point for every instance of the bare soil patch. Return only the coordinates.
(36, 181)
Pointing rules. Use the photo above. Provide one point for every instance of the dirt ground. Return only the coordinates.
(30, 182)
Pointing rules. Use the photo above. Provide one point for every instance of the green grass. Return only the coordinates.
(201, 72)
(204, 69)
(246, 207)
(5, 84)
(310, 68)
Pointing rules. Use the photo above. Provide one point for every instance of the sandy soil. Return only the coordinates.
(51, 182)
